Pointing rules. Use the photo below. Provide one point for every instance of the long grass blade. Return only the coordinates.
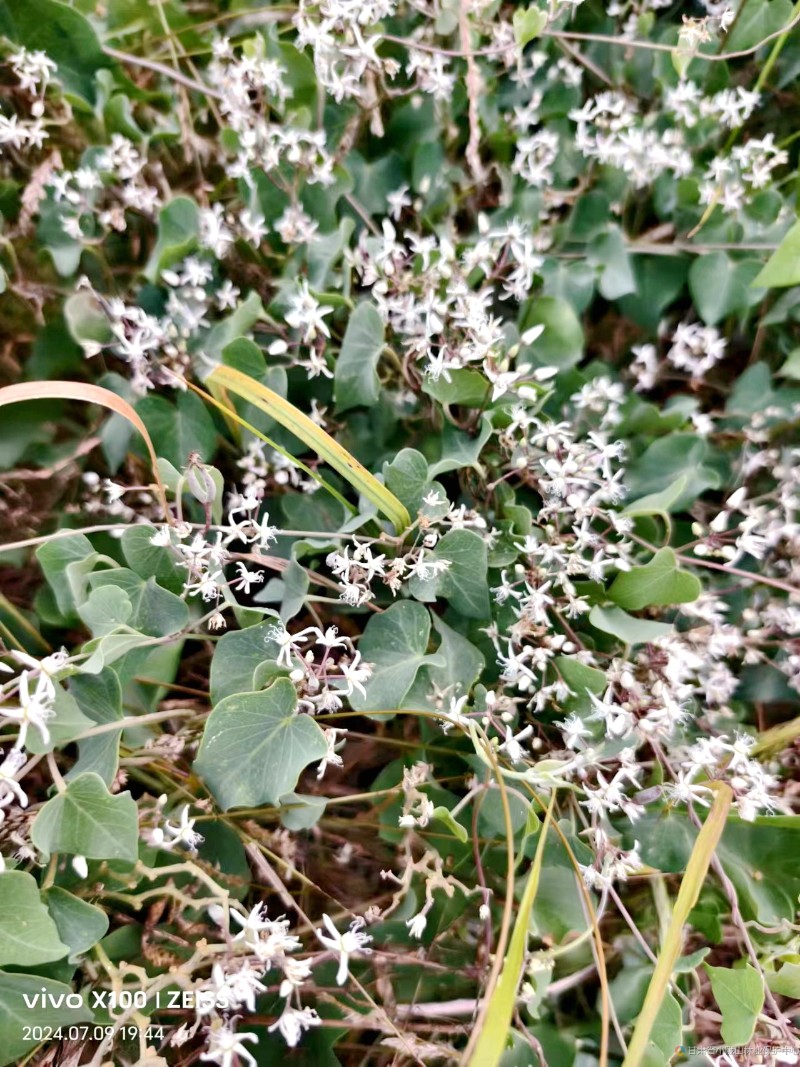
(92, 394)
(235, 421)
(493, 1034)
(315, 438)
(696, 871)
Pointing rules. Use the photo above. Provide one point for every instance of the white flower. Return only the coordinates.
(295, 972)
(9, 786)
(345, 945)
(512, 745)
(183, 833)
(331, 757)
(253, 227)
(246, 578)
(34, 709)
(355, 675)
(574, 730)
(284, 640)
(416, 925)
(252, 924)
(234, 990)
(293, 1022)
(225, 1045)
(330, 638)
(305, 313)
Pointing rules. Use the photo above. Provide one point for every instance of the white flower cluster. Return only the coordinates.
(728, 107)
(264, 468)
(33, 71)
(730, 181)
(93, 198)
(204, 558)
(159, 348)
(345, 57)
(29, 701)
(260, 946)
(427, 293)
(254, 90)
(694, 349)
(610, 129)
(356, 572)
(321, 679)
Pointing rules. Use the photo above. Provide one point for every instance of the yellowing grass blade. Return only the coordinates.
(315, 438)
(491, 1043)
(92, 394)
(219, 398)
(696, 871)
(777, 738)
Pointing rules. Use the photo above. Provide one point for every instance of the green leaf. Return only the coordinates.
(99, 696)
(459, 450)
(666, 1033)
(356, 381)
(408, 478)
(786, 981)
(149, 560)
(467, 387)
(659, 280)
(65, 35)
(86, 820)
(456, 829)
(28, 936)
(178, 234)
(255, 747)
(396, 644)
(720, 286)
(300, 811)
(54, 557)
(80, 924)
(465, 582)
(528, 23)
(65, 251)
(237, 657)
(180, 428)
(105, 610)
(791, 366)
(620, 624)
(739, 992)
(610, 256)
(154, 611)
(107, 650)
(658, 503)
(86, 320)
(16, 1015)
(290, 590)
(579, 678)
(68, 722)
(657, 583)
(759, 857)
(690, 963)
(783, 266)
(663, 463)
(757, 21)
(239, 322)
(463, 662)
(561, 343)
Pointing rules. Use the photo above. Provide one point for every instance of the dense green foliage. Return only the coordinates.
(400, 615)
